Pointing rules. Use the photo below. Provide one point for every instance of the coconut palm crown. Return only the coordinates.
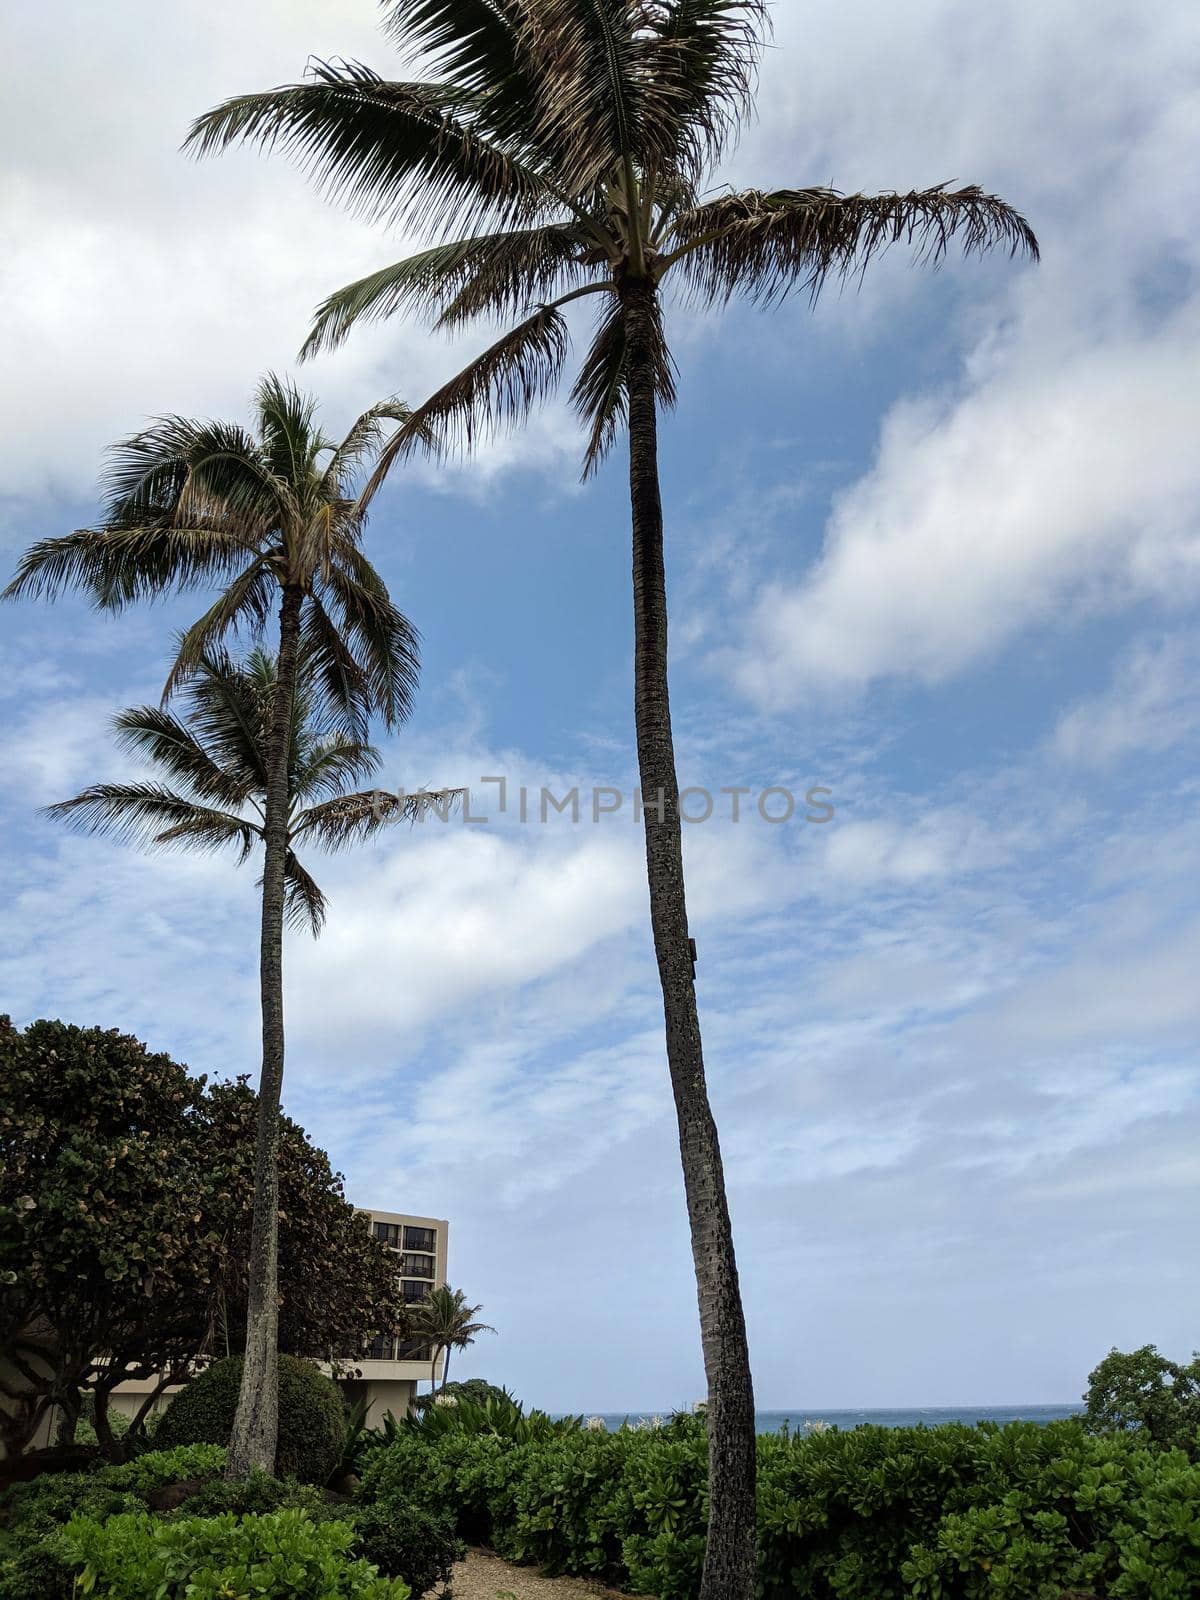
(561, 149)
(214, 759)
(447, 1322)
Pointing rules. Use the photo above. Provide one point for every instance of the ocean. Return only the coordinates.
(896, 1417)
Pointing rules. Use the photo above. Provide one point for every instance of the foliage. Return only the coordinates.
(573, 147)
(1145, 1390)
(406, 1542)
(99, 1169)
(957, 1513)
(311, 1416)
(126, 1193)
(446, 1322)
(212, 771)
(499, 1414)
(33, 1514)
(476, 1390)
(279, 1556)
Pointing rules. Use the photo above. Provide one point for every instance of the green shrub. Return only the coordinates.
(157, 1468)
(280, 1556)
(40, 1571)
(33, 1513)
(311, 1416)
(957, 1513)
(406, 1542)
(477, 1390)
(498, 1413)
(259, 1493)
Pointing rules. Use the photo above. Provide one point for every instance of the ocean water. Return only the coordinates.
(902, 1417)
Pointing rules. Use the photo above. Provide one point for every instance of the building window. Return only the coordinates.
(413, 1291)
(381, 1348)
(390, 1232)
(420, 1239)
(413, 1350)
(416, 1266)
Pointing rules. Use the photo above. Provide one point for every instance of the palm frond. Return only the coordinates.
(363, 441)
(493, 273)
(328, 767)
(182, 474)
(600, 396)
(767, 244)
(385, 644)
(242, 607)
(475, 45)
(353, 818)
(288, 440)
(592, 103)
(155, 818)
(404, 154)
(115, 567)
(340, 683)
(304, 905)
(705, 55)
(229, 710)
(497, 389)
(163, 739)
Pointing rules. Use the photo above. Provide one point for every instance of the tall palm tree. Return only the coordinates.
(216, 758)
(560, 150)
(447, 1322)
(270, 516)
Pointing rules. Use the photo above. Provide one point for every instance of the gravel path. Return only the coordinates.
(485, 1577)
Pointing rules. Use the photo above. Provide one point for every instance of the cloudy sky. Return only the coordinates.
(934, 547)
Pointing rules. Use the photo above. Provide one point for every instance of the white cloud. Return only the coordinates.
(1153, 703)
(1056, 477)
(1063, 482)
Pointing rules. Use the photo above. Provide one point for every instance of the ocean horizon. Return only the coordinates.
(800, 1420)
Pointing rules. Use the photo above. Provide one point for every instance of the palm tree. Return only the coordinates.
(560, 150)
(270, 516)
(216, 756)
(446, 1321)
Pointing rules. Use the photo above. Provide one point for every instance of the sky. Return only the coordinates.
(932, 547)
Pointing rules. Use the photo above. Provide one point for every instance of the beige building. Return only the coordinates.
(387, 1377)
(392, 1368)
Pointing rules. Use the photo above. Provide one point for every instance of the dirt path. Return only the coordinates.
(485, 1577)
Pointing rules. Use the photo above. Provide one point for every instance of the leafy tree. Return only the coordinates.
(126, 1207)
(447, 1322)
(271, 516)
(560, 150)
(1144, 1390)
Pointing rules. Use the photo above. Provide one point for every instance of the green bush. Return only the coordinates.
(477, 1390)
(311, 1416)
(259, 1493)
(40, 1571)
(406, 1542)
(280, 1556)
(157, 1468)
(33, 1514)
(957, 1513)
(497, 1413)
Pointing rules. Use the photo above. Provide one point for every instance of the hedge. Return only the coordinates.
(947, 1513)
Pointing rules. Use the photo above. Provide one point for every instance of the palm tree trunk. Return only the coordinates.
(445, 1367)
(256, 1425)
(729, 1560)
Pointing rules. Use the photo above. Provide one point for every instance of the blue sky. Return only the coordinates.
(933, 546)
